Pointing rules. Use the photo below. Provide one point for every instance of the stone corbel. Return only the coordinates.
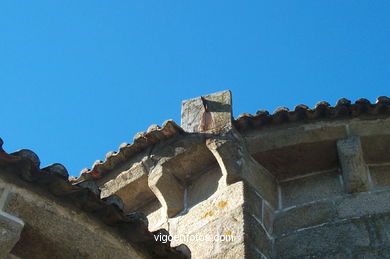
(167, 189)
(237, 164)
(212, 115)
(354, 169)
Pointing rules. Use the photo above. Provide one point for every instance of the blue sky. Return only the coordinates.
(78, 78)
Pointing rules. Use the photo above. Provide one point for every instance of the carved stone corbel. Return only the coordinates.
(354, 169)
(236, 164)
(167, 189)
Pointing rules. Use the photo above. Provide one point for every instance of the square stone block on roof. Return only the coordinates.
(210, 113)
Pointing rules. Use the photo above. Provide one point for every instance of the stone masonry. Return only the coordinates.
(308, 183)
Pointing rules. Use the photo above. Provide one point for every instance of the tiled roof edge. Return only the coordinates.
(301, 113)
(322, 110)
(54, 178)
(141, 142)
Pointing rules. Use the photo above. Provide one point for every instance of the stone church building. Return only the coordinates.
(306, 183)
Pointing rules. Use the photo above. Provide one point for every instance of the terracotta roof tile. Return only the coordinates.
(322, 110)
(141, 142)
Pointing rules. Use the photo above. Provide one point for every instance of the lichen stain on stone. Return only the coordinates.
(207, 214)
(228, 233)
(222, 204)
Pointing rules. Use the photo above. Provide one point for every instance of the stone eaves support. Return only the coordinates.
(10, 227)
(167, 189)
(237, 164)
(131, 186)
(354, 170)
(212, 114)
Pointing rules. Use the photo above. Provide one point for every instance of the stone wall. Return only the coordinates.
(345, 226)
(333, 199)
(308, 189)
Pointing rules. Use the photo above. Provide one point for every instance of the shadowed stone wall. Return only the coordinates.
(54, 230)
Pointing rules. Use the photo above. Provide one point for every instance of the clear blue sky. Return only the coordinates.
(78, 78)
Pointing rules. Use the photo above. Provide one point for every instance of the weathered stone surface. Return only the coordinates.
(155, 214)
(362, 204)
(131, 186)
(186, 157)
(124, 178)
(139, 216)
(220, 214)
(228, 225)
(253, 202)
(10, 229)
(251, 251)
(354, 169)
(275, 138)
(115, 200)
(256, 234)
(310, 188)
(204, 186)
(236, 164)
(210, 113)
(55, 231)
(212, 237)
(268, 217)
(298, 160)
(372, 252)
(369, 127)
(382, 227)
(326, 239)
(376, 148)
(221, 203)
(304, 216)
(167, 189)
(380, 175)
(234, 252)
